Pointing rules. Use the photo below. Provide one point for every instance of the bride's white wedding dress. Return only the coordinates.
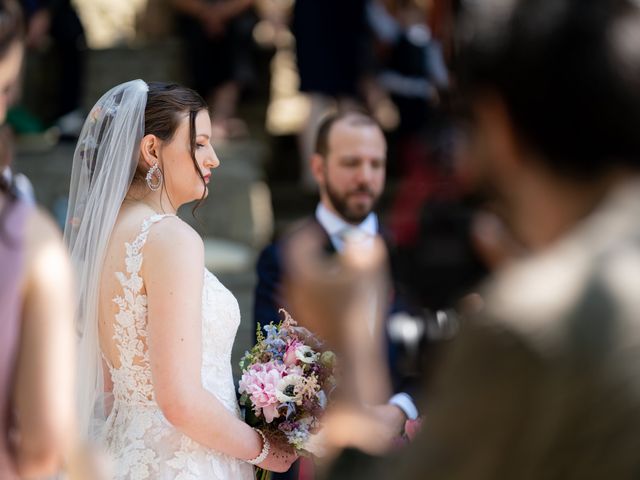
(141, 442)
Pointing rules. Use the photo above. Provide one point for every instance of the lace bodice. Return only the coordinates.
(142, 441)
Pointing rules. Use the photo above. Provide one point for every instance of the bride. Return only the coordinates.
(156, 328)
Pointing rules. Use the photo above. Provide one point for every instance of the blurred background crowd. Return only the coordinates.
(274, 72)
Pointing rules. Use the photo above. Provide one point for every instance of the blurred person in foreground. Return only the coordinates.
(36, 311)
(349, 167)
(543, 382)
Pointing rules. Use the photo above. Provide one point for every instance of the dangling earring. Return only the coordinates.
(154, 171)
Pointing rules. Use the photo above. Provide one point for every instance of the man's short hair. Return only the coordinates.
(568, 72)
(353, 118)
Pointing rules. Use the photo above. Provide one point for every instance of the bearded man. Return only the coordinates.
(349, 165)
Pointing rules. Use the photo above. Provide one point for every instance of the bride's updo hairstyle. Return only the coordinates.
(167, 104)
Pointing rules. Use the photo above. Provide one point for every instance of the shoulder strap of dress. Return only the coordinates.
(147, 222)
(135, 247)
(133, 257)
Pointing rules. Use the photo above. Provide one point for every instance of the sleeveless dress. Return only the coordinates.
(12, 270)
(140, 440)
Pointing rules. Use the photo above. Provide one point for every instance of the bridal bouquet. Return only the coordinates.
(286, 381)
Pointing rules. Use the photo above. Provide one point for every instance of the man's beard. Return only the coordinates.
(341, 204)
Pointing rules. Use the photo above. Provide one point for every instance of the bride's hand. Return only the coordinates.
(280, 457)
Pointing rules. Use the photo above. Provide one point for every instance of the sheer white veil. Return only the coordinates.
(104, 164)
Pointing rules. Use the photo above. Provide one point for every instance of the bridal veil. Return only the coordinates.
(104, 163)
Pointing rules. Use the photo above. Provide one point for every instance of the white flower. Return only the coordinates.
(287, 390)
(306, 354)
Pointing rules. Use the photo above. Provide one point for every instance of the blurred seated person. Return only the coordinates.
(57, 22)
(333, 56)
(412, 67)
(217, 34)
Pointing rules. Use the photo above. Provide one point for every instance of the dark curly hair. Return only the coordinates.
(568, 72)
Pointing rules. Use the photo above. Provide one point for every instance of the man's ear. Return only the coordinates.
(149, 150)
(317, 168)
(501, 135)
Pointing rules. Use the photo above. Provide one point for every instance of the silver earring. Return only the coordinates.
(154, 171)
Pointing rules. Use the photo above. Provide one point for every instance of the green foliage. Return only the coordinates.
(255, 354)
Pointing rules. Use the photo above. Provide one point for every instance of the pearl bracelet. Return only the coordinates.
(265, 449)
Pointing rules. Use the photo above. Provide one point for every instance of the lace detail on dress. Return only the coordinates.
(132, 380)
(143, 444)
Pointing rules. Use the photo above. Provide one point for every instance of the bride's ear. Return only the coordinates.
(149, 150)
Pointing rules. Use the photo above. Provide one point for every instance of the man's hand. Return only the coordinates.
(391, 415)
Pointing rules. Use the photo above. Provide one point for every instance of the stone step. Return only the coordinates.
(157, 61)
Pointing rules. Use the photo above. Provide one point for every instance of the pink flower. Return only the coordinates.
(290, 357)
(270, 412)
(260, 382)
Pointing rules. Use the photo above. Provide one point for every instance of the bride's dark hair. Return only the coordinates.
(166, 105)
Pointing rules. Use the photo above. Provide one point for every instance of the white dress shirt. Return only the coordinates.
(336, 227)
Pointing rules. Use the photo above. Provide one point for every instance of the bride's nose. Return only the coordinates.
(212, 160)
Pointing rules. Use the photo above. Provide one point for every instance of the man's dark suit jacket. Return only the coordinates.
(269, 298)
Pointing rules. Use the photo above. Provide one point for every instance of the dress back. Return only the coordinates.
(142, 443)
